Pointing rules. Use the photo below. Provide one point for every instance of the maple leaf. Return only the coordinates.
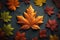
(5, 16)
(20, 36)
(57, 2)
(58, 15)
(8, 29)
(43, 34)
(12, 4)
(52, 24)
(1, 33)
(40, 2)
(49, 10)
(26, 1)
(53, 37)
(35, 38)
(30, 20)
(0, 5)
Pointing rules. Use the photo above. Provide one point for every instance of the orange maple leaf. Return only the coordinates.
(30, 20)
(12, 4)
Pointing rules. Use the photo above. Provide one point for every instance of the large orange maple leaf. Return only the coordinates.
(30, 20)
(12, 4)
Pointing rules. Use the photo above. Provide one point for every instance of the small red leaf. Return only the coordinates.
(52, 24)
(58, 15)
(57, 2)
(0, 5)
(35, 38)
(2, 33)
(26, 1)
(43, 34)
(20, 36)
(49, 10)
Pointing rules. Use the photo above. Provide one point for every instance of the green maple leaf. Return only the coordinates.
(8, 29)
(5, 16)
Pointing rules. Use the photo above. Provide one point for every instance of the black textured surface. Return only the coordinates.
(40, 11)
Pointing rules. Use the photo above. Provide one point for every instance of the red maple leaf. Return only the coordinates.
(0, 5)
(52, 24)
(49, 10)
(57, 2)
(20, 36)
(58, 15)
(43, 34)
(2, 33)
(35, 38)
(26, 1)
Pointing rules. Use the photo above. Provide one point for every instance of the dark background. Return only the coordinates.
(40, 11)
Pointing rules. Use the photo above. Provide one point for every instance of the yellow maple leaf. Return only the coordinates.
(12, 4)
(30, 20)
(53, 37)
(40, 2)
